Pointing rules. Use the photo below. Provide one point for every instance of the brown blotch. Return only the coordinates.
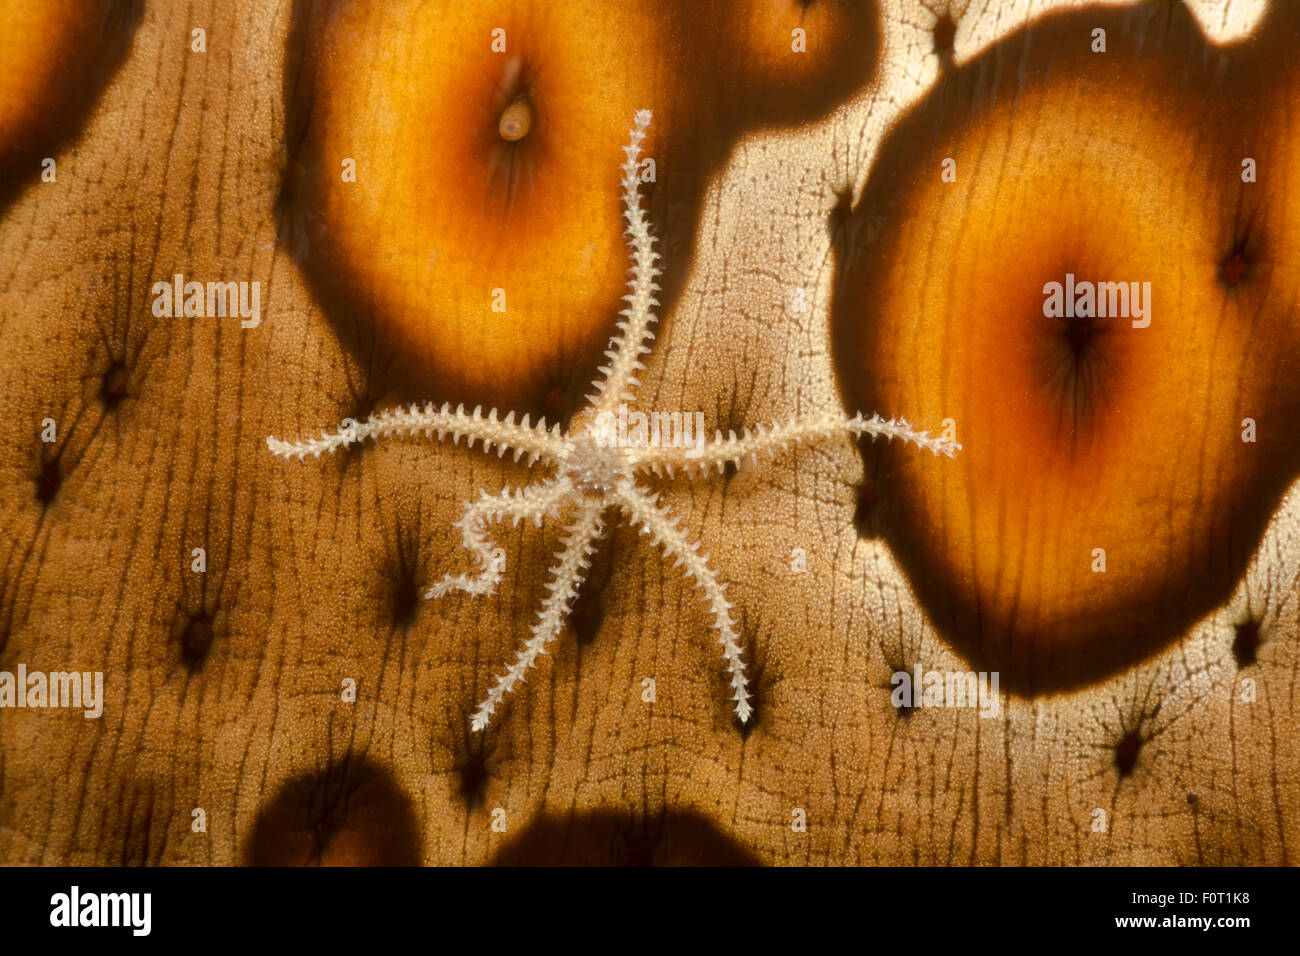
(351, 814)
(533, 139)
(604, 838)
(291, 177)
(938, 313)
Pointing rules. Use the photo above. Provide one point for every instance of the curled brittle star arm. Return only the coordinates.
(774, 439)
(631, 343)
(573, 560)
(535, 501)
(644, 511)
(431, 421)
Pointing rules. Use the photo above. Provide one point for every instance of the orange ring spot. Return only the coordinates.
(1077, 434)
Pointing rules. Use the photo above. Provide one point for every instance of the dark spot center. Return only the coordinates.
(1079, 335)
(351, 814)
(945, 34)
(555, 406)
(406, 599)
(588, 613)
(291, 179)
(1245, 643)
(1126, 753)
(841, 224)
(113, 388)
(864, 508)
(196, 639)
(1075, 369)
(1234, 268)
(48, 482)
(473, 777)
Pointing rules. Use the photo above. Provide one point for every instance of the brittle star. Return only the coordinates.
(593, 473)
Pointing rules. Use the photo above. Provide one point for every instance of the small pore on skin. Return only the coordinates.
(1233, 269)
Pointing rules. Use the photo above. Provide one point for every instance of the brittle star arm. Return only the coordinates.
(535, 502)
(655, 521)
(504, 435)
(574, 557)
(631, 343)
(773, 439)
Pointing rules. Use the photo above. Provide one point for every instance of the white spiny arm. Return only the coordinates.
(618, 378)
(535, 502)
(504, 435)
(574, 558)
(774, 439)
(656, 522)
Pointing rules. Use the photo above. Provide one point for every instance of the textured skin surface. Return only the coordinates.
(312, 568)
